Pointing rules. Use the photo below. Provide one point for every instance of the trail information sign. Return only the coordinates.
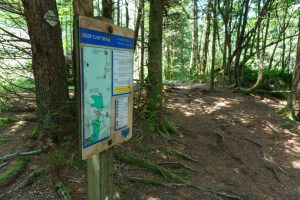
(106, 83)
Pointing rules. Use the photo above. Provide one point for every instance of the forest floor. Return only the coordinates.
(228, 141)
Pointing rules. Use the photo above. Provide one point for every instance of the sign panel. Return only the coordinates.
(122, 72)
(106, 81)
(96, 98)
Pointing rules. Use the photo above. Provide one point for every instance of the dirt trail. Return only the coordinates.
(239, 141)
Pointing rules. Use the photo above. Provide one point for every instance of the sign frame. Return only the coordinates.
(94, 33)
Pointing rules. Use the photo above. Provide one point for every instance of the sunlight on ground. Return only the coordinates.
(16, 127)
(153, 198)
(296, 164)
(293, 146)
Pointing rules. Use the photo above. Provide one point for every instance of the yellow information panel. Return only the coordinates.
(106, 82)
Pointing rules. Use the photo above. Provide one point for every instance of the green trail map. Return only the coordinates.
(96, 84)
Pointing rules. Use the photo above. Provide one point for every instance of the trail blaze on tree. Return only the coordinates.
(48, 62)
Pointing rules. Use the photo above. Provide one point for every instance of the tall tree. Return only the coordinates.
(127, 13)
(295, 99)
(213, 51)
(207, 34)
(194, 52)
(48, 62)
(154, 79)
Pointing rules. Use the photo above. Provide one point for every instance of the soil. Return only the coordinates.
(235, 142)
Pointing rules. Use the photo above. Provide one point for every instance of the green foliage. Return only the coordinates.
(273, 79)
(16, 168)
(16, 85)
(8, 120)
(79, 163)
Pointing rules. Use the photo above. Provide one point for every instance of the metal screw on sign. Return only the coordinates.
(51, 18)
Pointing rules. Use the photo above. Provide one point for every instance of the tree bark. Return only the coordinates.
(127, 14)
(138, 22)
(107, 9)
(83, 8)
(154, 79)
(48, 62)
(213, 51)
(194, 52)
(207, 34)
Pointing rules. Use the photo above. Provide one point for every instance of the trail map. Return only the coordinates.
(97, 89)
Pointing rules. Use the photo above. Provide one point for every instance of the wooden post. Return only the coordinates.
(100, 176)
(100, 168)
(100, 165)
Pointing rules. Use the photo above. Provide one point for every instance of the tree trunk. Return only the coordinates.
(194, 52)
(83, 8)
(295, 99)
(118, 12)
(261, 59)
(207, 34)
(213, 51)
(80, 8)
(127, 14)
(240, 40)
(107, 9)
(142, 19)
(138, 22)
(48, 62)
(154, 79)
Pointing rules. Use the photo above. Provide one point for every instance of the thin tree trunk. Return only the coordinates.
(181, 53)
(295, 93)
(118, 12)
(261, 59)
(207, 34)
(48, 62)
(138, 22)
(142, 42)
(272, 56)
(127, 13)
(240, 40)
(154, 79)
(193, 59)
(213, 52)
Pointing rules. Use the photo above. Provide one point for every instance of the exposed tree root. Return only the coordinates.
(253, 142)
(62, 191)
(150, 181)
(168, 128)
(28, 153)
(169, 176)
(3, 165)
(176, 152)
(179, 164)
(17, 167)
(31, 178)
(165, 173)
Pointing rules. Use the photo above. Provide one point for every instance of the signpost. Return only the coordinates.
(105, 72)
